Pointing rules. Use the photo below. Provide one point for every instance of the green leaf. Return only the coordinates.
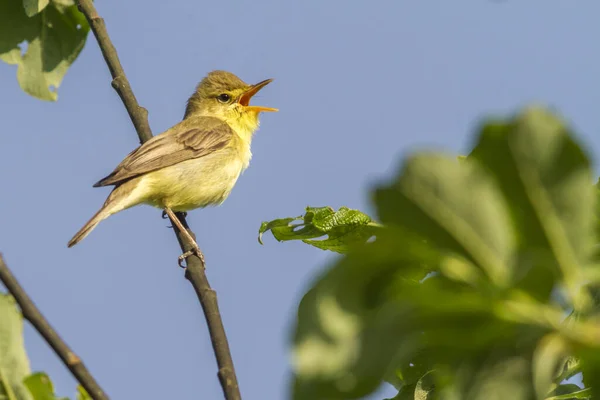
(343, 228)
(454, 206)
(590, 362)
(570, 391)
(410, 372)
(548, 360)
(33, 7)
(538, 165)
(55, 36)
(14, 364)
(344, 340)
(423, 389)
(571, 367)
(41, 387)
(82, 394)
(502, 376)
(15, 27)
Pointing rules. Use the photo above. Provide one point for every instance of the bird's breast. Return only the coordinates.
(195, 183)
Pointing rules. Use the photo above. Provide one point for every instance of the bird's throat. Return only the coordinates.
(245, 125)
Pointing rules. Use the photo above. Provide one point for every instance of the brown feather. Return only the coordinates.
(192, 138)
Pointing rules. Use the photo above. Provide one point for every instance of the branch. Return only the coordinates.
(35, 317)
(195, 271)
(196, 274)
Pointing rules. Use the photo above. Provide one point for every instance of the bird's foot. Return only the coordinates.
(194, 251)
(165, 215)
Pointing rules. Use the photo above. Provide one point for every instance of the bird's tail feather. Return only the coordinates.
(119, 199)
(89, 226)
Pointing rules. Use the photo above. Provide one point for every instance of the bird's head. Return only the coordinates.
(223, 95)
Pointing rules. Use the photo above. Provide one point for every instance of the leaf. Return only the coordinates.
(425, 387)
(454, 206)
(502, 376)
(343, 228)
(14, 364)
(410, 372)
(548, 360)
(570, 391)
(16, 380)
(40, 386)
(82, 394)
(539, 165)
(343, 344)
(55, 36)
(570, 368)
(590, 362)
(33, 7)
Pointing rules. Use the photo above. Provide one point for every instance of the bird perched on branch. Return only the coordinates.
(194, 164)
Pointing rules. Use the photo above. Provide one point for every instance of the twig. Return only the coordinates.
(35, 317)
(195, 271)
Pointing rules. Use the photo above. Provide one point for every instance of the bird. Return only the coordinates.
(194, 164)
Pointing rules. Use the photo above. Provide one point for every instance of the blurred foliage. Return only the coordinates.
(482, 283)
(14, 364)
(41, 387)
(43, 38)
(16, 380)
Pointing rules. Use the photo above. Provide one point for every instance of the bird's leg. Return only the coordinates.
(195, 248)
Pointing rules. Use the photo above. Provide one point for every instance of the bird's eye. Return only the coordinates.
(224, 98)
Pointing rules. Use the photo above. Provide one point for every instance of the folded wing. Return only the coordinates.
(191, 138)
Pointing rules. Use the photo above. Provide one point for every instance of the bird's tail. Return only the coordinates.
(89, 226)
(119, 199)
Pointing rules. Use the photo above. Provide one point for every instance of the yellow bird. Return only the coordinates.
(194, 164)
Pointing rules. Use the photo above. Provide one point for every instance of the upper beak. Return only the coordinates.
(245, 98)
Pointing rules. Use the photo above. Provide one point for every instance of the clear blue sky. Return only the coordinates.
(358, 83)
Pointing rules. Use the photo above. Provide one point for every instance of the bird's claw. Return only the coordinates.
(183, 258)
(195, 251)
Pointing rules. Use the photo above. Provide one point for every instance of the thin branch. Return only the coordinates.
(208, 299)
(32, 314)
(195, 271)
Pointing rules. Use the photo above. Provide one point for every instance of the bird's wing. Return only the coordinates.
(185, 141)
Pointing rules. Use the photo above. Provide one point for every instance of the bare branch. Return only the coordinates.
(195, 271)
(32, 314)
(196, 274)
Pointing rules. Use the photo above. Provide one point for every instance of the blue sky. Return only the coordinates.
(359, 84)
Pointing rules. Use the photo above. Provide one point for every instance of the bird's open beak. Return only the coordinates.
(245, 98)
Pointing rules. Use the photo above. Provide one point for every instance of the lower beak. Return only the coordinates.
(245, 98)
